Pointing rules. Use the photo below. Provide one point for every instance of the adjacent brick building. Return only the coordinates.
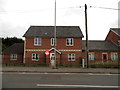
(13, 54)
(102, 51)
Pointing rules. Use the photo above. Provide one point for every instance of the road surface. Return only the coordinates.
(59, 80)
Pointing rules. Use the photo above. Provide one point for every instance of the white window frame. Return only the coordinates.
(69, 41)
(91, 56)
(106, 54)
(34, 55)
(71, 57)
(13, 56)
(114, 56)
(53, 41)
(37, 41)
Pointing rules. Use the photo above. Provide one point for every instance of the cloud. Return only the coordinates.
(23, 13)
(9, 30)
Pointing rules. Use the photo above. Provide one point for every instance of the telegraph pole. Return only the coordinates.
(87, 62)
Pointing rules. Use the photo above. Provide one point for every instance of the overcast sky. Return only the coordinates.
(16, 16)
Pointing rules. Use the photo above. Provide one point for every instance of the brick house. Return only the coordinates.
(13, 54)
(68, 49)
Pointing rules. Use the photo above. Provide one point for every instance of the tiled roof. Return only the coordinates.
(15, 48)
(48, 31)
(116, 30)
(97, 45)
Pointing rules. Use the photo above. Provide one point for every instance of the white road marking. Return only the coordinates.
(87, 86)
(101, 74)
(34, 73)
(95, 74)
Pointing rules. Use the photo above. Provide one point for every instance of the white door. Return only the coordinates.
(52, 58)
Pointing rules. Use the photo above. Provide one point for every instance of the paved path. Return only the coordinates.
(59, 70)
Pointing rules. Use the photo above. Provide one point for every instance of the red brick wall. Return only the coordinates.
(113, 37)
(65, 61)
(6, 59)
(46, 44)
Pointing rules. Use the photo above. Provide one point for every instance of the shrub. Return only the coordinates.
(105, 65)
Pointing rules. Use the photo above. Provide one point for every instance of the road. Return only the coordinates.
(57, 80)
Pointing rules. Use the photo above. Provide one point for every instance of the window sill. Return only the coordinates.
(34, 60)
(13, 59)
(70, 45)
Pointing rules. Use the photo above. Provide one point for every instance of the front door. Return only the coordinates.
(52, 59)
(105, 57)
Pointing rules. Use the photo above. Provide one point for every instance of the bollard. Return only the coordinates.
(83, 63)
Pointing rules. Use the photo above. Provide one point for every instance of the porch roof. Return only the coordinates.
(55, 50)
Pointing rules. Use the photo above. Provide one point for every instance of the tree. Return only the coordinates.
(6, 42)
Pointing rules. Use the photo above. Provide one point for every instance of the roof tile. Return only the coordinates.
(97, 45)
(15, 48)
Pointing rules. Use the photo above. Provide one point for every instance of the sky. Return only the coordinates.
(16, 16)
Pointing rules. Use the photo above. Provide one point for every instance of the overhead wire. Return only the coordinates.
(29, 11)
(104, 8)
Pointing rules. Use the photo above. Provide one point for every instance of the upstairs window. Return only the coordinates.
(53, 42)
(37, 42)
(71, 57)
(114, 56)
(35, 57)
(91, 56)
(13, 57)
(69, 42)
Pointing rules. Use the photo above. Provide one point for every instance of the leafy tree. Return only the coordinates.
(6, 42)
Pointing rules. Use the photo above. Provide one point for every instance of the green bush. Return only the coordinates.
(105, 65)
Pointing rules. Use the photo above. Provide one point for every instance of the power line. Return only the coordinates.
(104, 8)
(30, 11)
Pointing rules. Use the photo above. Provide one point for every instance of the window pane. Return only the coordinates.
(69, 41)
(91, 56)
(13, 56)
(52, 41)
(114, 56)
(35, 56)
(71, 57)
(37, 41)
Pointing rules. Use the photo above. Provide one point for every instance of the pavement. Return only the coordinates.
(60, 70)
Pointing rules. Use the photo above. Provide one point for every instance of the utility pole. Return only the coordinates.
(86, 53)
(55, 37)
